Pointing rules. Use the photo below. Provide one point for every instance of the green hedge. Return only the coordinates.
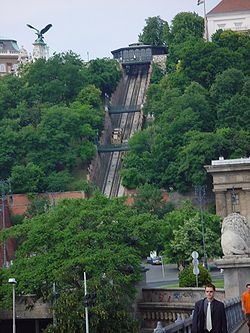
(188, 279)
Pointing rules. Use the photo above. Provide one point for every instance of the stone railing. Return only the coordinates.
(235, 320)
(167, 305)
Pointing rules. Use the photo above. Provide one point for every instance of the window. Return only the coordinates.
(238, 25)
(2, 68)
(235, 201)
(221, 26)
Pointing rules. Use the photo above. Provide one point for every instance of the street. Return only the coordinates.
(158, 275)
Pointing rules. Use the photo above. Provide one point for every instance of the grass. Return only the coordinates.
(218, 283)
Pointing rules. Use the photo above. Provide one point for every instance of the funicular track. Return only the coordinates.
(132, 95)
(124, 114)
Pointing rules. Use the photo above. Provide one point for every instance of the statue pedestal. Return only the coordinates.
(236, 274)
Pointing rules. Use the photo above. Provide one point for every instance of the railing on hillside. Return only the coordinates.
(235, 319)
(124, 109)
(112, 148)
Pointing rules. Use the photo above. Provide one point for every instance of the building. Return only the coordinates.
(231, 185)
(11, 56)
(229, 15)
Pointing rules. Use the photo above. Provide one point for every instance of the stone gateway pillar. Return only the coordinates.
(231, 185)
(236, 274)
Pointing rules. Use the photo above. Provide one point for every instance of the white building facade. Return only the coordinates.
(229, 14)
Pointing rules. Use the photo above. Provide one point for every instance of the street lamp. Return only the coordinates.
(4, 185)
(86, 305)
(200, 192)
(13, 282)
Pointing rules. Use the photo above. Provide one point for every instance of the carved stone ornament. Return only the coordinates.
(235, 235)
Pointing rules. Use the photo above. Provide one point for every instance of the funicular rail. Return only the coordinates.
(132, 103)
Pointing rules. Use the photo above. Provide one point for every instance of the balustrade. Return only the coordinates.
(235, 319)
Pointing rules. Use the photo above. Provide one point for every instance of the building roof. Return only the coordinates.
(227, 6)
(8, 45)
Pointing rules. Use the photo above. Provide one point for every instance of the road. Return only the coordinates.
(158, 275)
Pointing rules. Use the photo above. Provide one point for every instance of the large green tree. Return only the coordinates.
(184, 234)
(185, 26)
(201, 111)
(50, 116)
(155, 32)
(99, 236)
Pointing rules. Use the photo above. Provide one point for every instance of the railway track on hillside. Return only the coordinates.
(129, 123)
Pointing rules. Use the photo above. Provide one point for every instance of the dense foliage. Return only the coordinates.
(201, 109)
(183, 232)
(108, 240)
(50, 116)
(100, 236)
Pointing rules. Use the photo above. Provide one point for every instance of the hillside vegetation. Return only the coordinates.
(201, 106)
(50, 117)
(200, 109)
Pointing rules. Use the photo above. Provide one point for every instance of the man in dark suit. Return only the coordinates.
(209, 314)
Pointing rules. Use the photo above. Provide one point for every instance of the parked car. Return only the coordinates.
(154, 260)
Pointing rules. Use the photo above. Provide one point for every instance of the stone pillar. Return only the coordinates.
(221, 203)
(236, 274)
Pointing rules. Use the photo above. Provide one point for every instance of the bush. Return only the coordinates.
(188, 279)
(17, 219)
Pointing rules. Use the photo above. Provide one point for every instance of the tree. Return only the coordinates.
(9, 149)
(100, 236)
(226, 85)
(155, 32)
(202, 61)
(157, 74)
(233, 40)
(27, 178)
(10, 93)
(188, 238)
(90, 95)
(150, 199)
(51, 114)
(58, 181)
(234, 113)
(185, 26)
(104, 74)
(56, 80)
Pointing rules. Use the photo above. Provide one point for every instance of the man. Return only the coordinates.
(246, 304)
(209, 314)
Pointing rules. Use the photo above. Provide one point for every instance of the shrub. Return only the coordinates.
(188, 279)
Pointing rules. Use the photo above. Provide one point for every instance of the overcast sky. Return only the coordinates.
(87, 27)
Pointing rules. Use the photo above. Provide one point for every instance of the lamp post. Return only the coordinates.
(86, 305)
(200, 192)
(4, 184)
(13, 282)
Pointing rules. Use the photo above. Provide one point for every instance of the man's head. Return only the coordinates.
(248, 287)
(209, 291)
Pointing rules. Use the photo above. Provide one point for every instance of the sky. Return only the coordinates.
(90, 28)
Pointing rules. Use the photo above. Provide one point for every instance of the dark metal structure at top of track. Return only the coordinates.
(138, 53)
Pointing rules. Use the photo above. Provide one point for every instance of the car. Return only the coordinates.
(149, 260)
(156, 261)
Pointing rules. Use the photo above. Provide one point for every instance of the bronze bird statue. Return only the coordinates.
(40, 33)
